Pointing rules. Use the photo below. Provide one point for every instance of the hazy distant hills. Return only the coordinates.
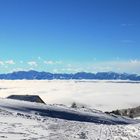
(30, 75)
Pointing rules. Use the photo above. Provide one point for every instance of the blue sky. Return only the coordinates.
(70, 35)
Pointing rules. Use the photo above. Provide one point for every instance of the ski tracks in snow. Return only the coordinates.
(15, 126)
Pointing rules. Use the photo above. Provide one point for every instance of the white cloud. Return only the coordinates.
(123, 24)
(135, 61)
(18, 69)
(58, 62)
(128, 41)
(128, 66)
(39, 58)
(69, 65)
(1, 63)
(33, 63)
(21, 62)
(56, 70)
(71, 70)
(126, 24)
(131, 66)
(10, 62)
(50, 62)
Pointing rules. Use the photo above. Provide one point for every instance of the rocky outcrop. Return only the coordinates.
(130, 112)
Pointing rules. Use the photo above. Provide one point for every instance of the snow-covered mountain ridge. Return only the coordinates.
(30, 75)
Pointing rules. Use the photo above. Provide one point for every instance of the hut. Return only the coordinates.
(29, 98)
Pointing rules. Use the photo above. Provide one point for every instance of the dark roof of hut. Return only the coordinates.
(29, 98)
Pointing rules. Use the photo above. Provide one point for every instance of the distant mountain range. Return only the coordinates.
(30, 75)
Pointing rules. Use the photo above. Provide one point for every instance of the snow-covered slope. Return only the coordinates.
(63, 112)
(22, 120)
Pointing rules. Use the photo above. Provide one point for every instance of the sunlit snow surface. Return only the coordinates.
(102, 95)
(28, 126)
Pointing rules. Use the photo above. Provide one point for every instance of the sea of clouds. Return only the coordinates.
(102, 95)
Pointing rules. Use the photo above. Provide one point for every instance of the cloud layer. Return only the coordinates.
(131, 66)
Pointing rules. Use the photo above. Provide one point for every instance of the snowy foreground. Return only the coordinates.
(20, 120)
(101, 95)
